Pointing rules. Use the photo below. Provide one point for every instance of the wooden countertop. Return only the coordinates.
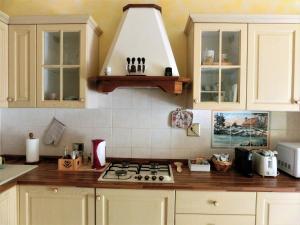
(47, 174)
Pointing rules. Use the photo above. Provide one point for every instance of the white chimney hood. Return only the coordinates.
(141, 33)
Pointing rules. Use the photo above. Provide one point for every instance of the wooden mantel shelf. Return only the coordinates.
(107, 84)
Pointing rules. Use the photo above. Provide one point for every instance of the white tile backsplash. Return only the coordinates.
(121, 137)
(161, 138)
(134, 122)
(141, 138)
(122, 98)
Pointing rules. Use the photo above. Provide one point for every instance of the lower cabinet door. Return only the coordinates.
(8, 207)
(182, 219)
(278, 208)
(44, 205)
(134, 207)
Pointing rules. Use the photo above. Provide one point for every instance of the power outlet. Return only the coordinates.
(194, 130)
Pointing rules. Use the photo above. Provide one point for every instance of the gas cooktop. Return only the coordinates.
(135, 172)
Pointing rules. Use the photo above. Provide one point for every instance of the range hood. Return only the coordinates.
(141, 33)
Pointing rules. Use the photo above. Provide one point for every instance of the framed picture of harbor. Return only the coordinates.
(240, 129)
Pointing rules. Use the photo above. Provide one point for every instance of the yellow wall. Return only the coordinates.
(175, 12)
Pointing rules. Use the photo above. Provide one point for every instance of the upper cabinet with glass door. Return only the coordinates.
(218, 53)
(62, 69)
(63, 54)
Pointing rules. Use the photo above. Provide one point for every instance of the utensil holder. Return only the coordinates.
(69, 164)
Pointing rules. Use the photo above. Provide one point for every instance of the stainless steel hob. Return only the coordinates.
(134, 172)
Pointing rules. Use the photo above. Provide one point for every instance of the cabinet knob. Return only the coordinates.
(55, 190)
(82, 99)
(98, 197)
(297, 101)
(196, 100)
(9, 99)
(215, 203)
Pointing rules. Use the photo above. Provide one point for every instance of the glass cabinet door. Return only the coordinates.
(222, 64)
(60, 64)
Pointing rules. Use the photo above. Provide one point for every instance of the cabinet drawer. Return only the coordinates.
(215, 202)
(182, 219)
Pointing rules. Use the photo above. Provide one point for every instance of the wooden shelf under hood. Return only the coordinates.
(107, 84)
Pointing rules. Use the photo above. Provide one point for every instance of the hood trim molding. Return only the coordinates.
(128, 6)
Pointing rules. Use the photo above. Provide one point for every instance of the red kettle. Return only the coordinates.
(99, 148)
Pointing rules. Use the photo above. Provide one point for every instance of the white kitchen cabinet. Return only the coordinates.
(3, 59)
(9, 207)
(44, 205)
(217, 62)
(22, 66)
(273, 67)
(278, 208)
(134, 207)
(244, 62)
(50, 60)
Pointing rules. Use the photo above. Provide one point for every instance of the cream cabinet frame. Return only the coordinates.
(3, 64)
(196, 69)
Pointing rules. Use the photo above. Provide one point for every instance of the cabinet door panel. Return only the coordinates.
(3, 64)
(8, 207)
(22, 66)
(273, 72)
(278, 209)
(182, 219)
(42, 205)
(134, 207)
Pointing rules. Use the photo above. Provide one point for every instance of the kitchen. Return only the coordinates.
(200, 44)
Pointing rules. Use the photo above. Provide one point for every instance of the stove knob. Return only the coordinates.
(153, 177)
(161, 178)
(147, 177)
(139, 177)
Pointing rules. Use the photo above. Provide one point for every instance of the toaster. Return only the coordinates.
(289, 158)
(265, 163)
(243, 161)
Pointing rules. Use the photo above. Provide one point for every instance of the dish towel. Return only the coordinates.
(54, 132)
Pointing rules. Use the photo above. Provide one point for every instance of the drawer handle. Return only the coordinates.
(98, 197)
(215, 203)
(55, 190)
